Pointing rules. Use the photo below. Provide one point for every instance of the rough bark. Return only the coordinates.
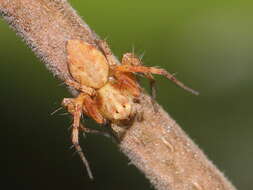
(156, 145)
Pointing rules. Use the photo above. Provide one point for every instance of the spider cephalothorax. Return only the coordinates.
(107, 90)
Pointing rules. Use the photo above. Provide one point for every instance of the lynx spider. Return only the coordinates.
(107, 90)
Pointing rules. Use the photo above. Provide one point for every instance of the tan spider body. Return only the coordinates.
(103, 95)
(107, 90)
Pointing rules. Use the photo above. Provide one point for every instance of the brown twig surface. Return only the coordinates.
(156, 145)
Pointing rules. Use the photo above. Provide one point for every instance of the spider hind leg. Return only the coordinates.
(154, 70)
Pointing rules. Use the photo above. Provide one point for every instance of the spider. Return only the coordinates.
(107, 90)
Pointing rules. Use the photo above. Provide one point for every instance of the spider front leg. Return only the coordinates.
(153, 70)
(133, 60)
(74, 106)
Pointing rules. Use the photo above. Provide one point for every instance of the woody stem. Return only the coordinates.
(157, 145)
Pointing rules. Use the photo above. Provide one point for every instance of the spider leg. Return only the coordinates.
(74, 106)
(107, 52)
(133, 60)
(128, 82)
(82, 88)
(105, 133)
(90, 107)
(75, 141)
(153, 70)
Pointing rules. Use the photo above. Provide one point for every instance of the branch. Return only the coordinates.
(156, 145)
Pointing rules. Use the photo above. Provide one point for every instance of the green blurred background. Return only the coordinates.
(208, 44)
